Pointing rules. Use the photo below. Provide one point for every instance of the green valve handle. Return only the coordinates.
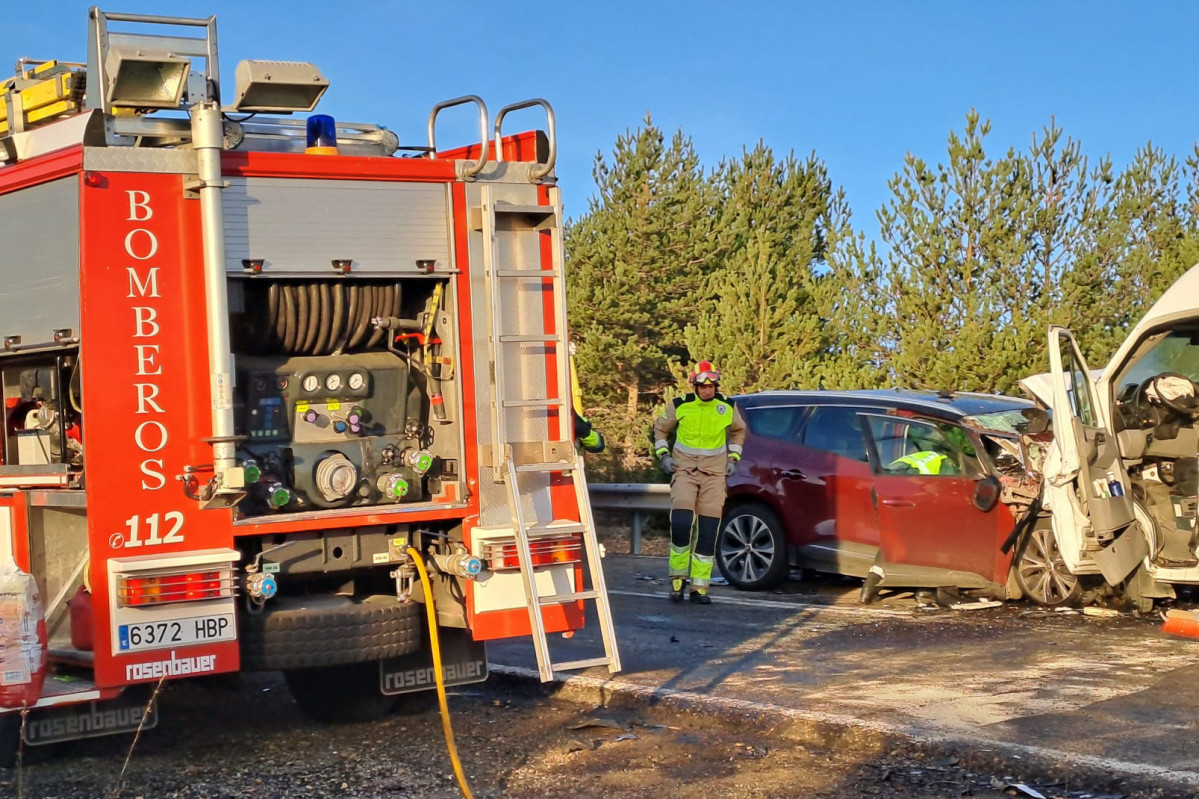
(392, 486)
(420, 460)
(278, 495)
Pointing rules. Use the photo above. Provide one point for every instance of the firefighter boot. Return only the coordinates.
(676, 589)
(699, 596)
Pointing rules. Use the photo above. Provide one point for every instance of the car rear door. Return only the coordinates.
(923, 490)
(831, 492)
(775, 463)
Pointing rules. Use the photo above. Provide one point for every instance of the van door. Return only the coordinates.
(1088, 487)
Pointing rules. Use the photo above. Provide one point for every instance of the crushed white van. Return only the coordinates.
(1121, 477)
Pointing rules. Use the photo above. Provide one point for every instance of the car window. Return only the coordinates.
(776, 421)
(837, 429)
(1078, 386)
(910, 447)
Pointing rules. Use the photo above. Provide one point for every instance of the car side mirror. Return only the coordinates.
(986, 492)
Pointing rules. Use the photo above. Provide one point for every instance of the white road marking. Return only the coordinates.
(724, 599)
(972, 737)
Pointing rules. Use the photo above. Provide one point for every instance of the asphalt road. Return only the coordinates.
(1096, 694)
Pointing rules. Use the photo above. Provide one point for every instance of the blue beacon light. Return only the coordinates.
(322, 135)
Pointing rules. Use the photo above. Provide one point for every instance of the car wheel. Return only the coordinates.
(752, 551)
(1041, 572)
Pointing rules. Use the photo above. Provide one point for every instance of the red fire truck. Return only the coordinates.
(254, 365)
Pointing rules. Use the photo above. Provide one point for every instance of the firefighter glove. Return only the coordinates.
(667, 464)
(593, 442)
(734, 459)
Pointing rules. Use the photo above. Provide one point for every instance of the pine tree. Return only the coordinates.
(635, 263)
(852, 304)
(756, 316)
(1144, 239)
(934, 304)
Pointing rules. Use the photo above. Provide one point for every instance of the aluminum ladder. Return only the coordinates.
(528, 453)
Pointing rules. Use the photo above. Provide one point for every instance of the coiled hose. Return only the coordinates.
(439, 675)
(328, 317)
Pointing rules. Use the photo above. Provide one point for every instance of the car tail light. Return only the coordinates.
(501, 555)
(143, 588)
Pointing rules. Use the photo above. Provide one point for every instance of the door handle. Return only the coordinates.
(793, 474)
(899, 503)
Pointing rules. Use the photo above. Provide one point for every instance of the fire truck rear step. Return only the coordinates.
(507, 266)
(62, 693)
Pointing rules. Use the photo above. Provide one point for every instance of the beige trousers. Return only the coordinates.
(697, 491)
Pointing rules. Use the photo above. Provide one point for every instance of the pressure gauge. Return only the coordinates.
(311, 383)
(333, 382)
(357, 381)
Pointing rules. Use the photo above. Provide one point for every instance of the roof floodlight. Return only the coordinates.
(139, 78)
(278, 86)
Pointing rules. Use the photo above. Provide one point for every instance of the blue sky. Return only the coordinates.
(860, 83)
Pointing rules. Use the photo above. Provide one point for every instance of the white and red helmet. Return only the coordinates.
(705, 373)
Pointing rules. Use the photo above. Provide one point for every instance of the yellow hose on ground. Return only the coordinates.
(438, 674)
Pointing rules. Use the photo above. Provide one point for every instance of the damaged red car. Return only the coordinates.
(905, 489)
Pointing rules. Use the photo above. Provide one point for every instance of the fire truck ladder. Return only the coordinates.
(523, 455)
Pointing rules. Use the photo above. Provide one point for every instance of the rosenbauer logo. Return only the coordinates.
(175, 667)
(89, 721)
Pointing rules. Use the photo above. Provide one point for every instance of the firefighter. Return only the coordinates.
(923, 462)
(934, 456)
(590, 439)
(709, 432)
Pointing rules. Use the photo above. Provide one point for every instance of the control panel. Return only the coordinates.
(333, 431)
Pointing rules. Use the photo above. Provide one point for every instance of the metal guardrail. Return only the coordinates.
(640, 498)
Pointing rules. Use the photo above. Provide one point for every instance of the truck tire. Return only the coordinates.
(10, 739)
(315, 632)
(341, 694)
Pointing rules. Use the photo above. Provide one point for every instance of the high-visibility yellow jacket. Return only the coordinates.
(707, 433)
(926, 462)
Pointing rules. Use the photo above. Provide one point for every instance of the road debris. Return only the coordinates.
(1017, 788)
(979, 604)
(1095, 610)
(601, 721)
(573, 743)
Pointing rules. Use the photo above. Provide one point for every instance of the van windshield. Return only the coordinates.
(1176, 351)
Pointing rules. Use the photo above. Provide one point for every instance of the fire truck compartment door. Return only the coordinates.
(39, 231)
(302, 225)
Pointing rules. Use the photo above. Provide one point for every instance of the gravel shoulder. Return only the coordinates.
(246, 738)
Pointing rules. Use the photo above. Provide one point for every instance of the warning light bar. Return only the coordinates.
(140, 589)
(501, 555)
(150, 580)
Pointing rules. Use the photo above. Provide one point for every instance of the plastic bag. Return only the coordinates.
(22, 638)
